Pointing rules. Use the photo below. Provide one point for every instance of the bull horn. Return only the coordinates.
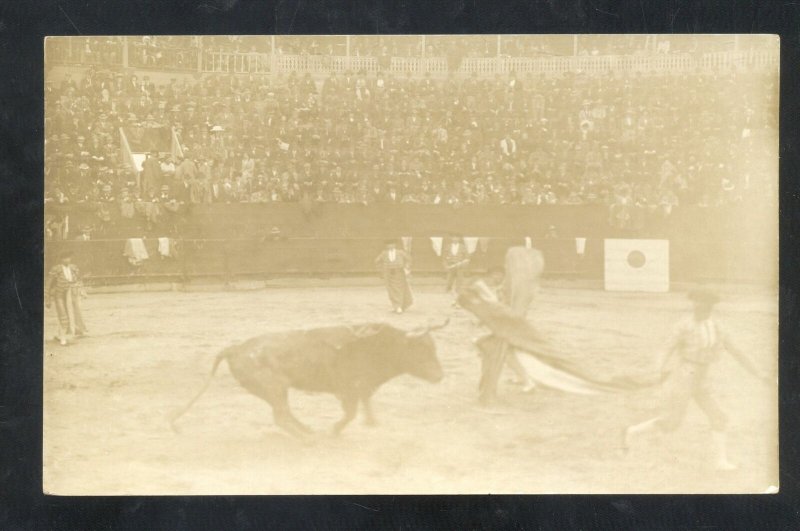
(365, 330)
(439, 326)
(418, 332)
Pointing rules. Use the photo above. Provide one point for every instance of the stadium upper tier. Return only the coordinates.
(415, 55)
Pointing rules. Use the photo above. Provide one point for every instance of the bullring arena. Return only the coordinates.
(107, 399)
(205, 190)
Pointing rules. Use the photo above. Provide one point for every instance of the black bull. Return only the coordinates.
(351, 362)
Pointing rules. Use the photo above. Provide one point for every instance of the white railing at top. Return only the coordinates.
(741, 60)
(620, 63)
(238, 63)
(435, 65)
(261, 63)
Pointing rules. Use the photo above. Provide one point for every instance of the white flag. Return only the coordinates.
(580, 245)
(436, 242)
(471, 243)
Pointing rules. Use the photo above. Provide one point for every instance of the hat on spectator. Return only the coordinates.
(83, 166)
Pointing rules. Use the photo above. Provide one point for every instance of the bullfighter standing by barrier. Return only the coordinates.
(696, 343)
(64, 287)
(456, 259)
(395, 265)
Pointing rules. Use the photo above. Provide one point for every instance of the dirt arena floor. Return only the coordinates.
(108, 397)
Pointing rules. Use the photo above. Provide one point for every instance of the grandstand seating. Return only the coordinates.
(654, 131)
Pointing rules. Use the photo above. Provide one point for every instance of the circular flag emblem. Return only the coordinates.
(636, 259)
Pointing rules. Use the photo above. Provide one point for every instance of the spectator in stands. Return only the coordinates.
(85, 234)
(168, 168)
(186, 172)
(151, 176)
(165, 195)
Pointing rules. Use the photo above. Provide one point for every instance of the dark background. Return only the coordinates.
(22, 28)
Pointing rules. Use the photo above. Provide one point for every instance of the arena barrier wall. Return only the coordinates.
(104, 262)
(380, 220)
(230, 240)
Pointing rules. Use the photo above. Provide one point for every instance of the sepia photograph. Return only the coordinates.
(410, 264)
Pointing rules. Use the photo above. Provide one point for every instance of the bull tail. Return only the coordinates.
(175, 415)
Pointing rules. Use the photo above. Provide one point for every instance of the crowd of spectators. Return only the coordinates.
(657, 140)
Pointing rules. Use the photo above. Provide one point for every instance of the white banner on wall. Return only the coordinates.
(580, 246)
(436, 243)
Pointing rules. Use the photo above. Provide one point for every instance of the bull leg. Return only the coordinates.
(369, 414)
(350, 407)
(285, 419)
(278, 397)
